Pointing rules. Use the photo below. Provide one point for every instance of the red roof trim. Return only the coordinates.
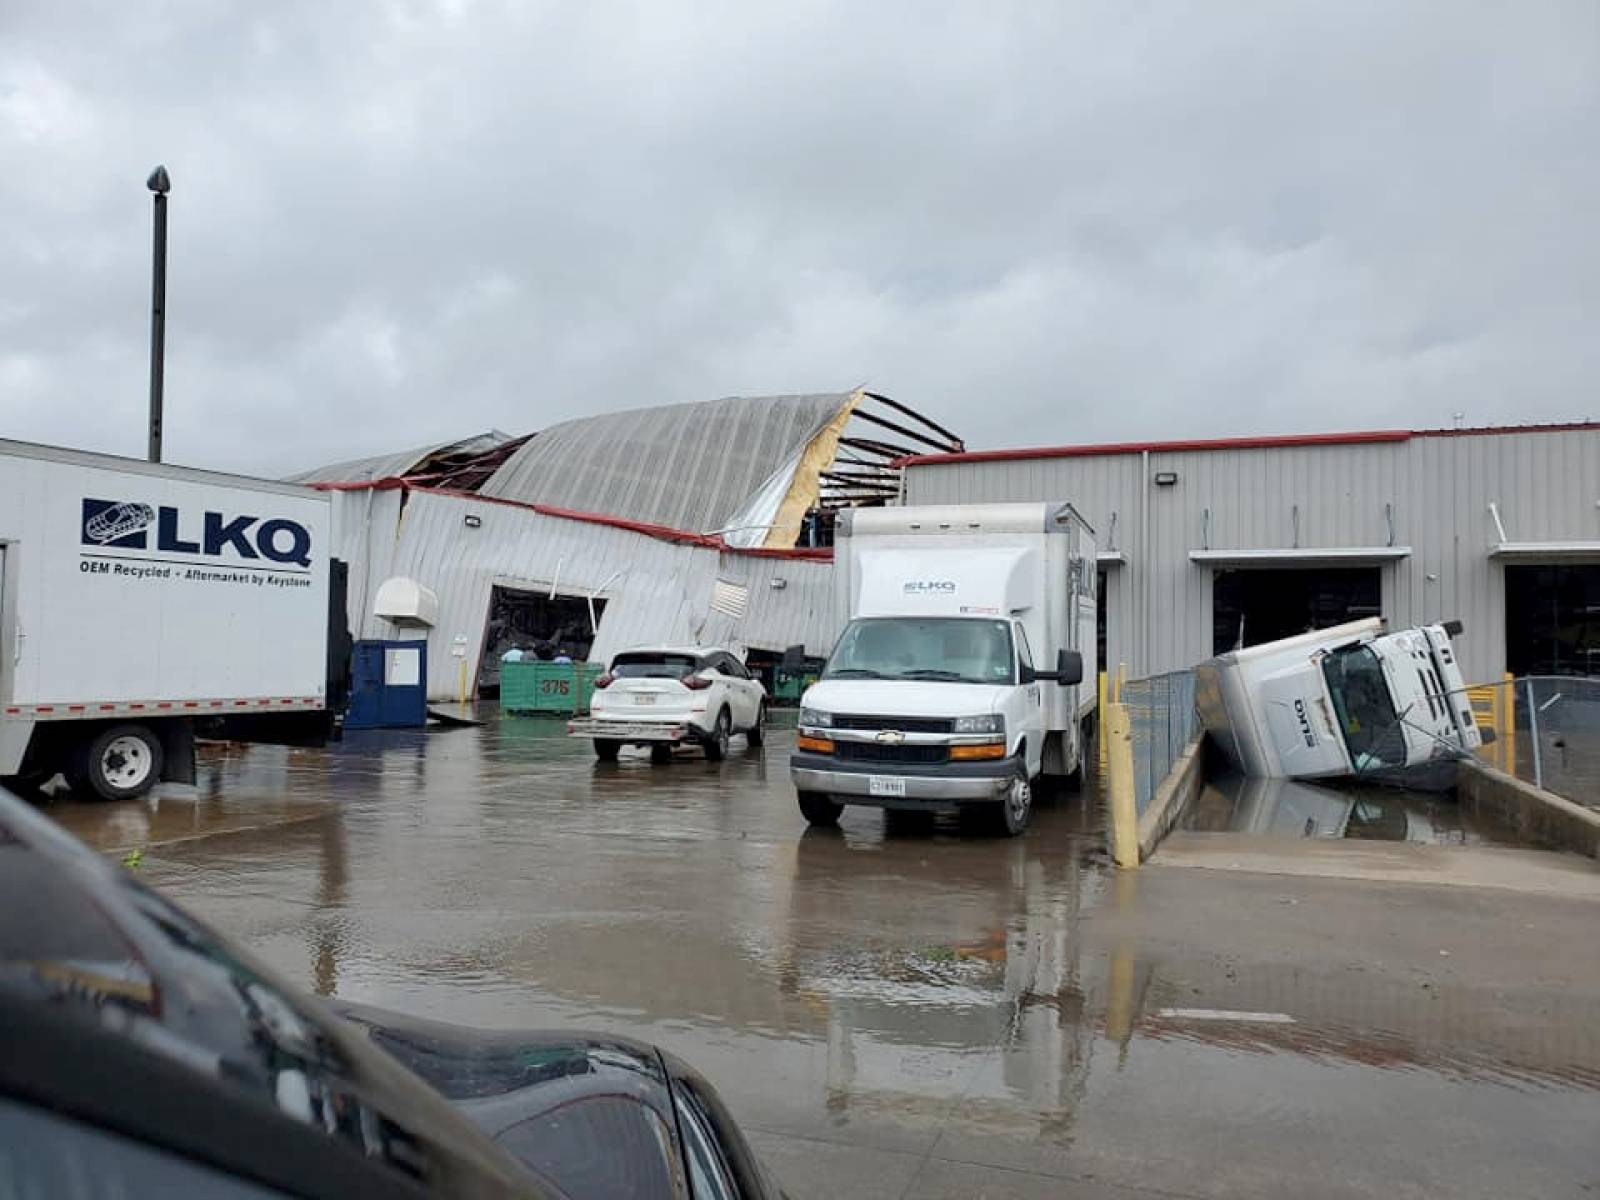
(664, 533)
(1362, 437)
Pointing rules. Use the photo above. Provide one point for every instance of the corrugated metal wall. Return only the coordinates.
(1436, 489)
(655, 591)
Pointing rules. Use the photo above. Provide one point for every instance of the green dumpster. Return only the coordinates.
(547, 688)
(788, 685)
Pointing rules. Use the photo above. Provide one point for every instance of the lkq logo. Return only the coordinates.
(1304, 722)
(130, 525)
(930, 587)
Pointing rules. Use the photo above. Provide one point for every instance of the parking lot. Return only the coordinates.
(894, 1009)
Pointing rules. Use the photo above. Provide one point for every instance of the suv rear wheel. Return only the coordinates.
(717, 740)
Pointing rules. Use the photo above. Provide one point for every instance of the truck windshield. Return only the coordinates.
(1367, 719)
(938, 649)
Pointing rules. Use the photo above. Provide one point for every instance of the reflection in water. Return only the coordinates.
(1297, 809)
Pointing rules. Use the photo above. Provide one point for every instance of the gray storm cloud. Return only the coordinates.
(400, 222)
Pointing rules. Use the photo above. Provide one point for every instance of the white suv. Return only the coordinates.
(666, 697)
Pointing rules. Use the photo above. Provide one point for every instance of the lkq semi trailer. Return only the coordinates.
(141, 603)
(960, 677)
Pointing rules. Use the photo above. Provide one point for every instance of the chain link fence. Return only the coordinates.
(1547, 732)
(1162, 716)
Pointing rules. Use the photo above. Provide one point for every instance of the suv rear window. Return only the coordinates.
(653, 666)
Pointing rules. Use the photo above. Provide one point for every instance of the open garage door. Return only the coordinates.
(1261, 604)
(539, 624)
(1553, 619)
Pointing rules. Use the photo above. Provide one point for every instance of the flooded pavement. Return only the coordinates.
(893, 1009)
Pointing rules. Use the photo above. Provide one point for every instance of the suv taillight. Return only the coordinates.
(695, 683)
(605, 680)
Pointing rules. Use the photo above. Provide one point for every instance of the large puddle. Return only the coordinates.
(898, 986)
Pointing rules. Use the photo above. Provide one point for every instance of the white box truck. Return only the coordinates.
(1348, 700)
(960, 675)
(137, 600)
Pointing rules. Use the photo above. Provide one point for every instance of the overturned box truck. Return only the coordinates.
(960, 677)
(141, 603)
(1349, 700)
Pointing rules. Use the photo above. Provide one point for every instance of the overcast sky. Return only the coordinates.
(401, 222)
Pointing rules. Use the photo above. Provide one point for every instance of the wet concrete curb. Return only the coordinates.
(1539, 816)
(1173, 797)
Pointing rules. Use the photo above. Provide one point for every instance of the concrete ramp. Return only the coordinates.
(1540, 872)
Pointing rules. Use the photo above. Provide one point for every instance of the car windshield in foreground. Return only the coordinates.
(653, 666)
(929, 649)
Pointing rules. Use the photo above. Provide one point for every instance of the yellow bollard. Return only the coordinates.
(1100, 716)
(461, 697)
(1507, 733)
(1121, 807)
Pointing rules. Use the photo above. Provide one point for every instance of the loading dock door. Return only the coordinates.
(1261, 604)
(1553, 619)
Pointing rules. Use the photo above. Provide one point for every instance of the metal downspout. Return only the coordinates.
(1142, 661)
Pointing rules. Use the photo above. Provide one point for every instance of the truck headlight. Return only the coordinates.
(815, 718)
(987, 723)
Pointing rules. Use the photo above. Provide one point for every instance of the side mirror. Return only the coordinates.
(1028, 675)
(1069, 667)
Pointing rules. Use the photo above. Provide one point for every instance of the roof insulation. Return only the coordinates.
(688, 466)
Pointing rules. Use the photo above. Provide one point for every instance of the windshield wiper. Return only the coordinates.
(856, 673)
(939, 673)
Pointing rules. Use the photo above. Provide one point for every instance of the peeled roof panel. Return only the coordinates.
(688, 466)
(383, 466)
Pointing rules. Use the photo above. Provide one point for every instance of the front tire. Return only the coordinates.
(1016, 805)
(717, 742)
(122, 762)
(818, 810)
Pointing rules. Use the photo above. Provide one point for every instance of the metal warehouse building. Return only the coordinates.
(700, 523)
(1205, 545)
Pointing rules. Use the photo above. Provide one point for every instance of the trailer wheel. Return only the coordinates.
(121, 762)
(607, 749)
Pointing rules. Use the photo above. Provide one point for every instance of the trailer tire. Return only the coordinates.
(818, 810)
(120, 762)
(607, 749)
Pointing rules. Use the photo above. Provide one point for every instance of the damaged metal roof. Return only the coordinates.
(688, 466)
(386, 466)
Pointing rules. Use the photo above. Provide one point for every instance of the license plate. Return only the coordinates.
(885, 785)
(644, 698)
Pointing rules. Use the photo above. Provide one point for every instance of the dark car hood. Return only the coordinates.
(481, 1070)
(552, 1097)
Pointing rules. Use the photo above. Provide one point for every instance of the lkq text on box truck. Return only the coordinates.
(139, 602)
(960, 676)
